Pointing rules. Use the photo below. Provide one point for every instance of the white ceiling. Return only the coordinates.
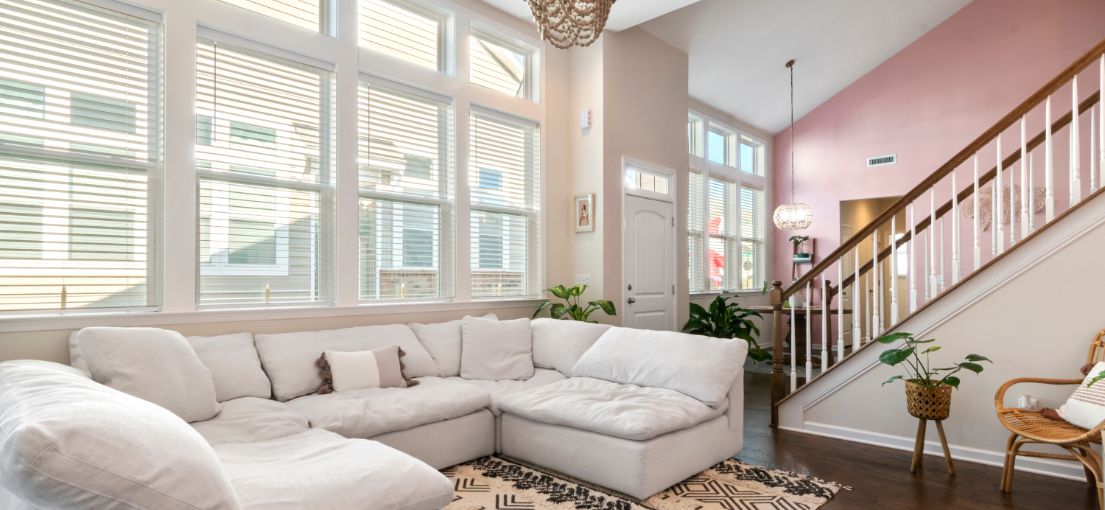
(738, 48)
(625, 14)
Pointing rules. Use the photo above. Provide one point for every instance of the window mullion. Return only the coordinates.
(347, 224)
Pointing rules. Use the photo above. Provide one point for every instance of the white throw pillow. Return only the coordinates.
(1086, 407)
(701, 367)
(496, 350)
(442, 340)
(234, 365)
(67, 442)
(289, 358)
(378, 368)
(559, 344)
(157, 365)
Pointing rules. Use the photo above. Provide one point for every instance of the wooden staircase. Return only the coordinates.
(952, 226)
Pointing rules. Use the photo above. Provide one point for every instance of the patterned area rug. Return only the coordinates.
(496, 483)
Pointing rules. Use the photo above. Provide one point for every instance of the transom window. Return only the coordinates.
(405, 30)
(500, 65)
(301, 13)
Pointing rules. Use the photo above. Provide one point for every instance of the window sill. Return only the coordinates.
(146, 317)
(714, 294)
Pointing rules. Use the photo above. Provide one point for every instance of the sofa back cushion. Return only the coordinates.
(559, 344)
(442, 340)
(68, 442)
(289, 358)
(496, 350)
(697, 366)
(157, 365)
(234, 365)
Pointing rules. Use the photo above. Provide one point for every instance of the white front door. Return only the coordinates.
(649, 264)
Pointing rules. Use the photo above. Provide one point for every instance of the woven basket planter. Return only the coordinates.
(928, 402)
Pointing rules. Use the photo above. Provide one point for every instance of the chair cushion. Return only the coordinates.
(559, 344)
(234, 365)
(442, 340)
(157, 365)
(252, 419)
(320, 470)
(370, 412)
(612, 409)
(500, 389)
(68, 442)
(1086, 406)
(496, 350)
(289, 358)
(699, 366)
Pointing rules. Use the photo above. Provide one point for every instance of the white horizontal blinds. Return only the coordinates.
(302, 13)
(405, 164)
(263, 157)
(753, 239)
(696, 257)
(79, 143)
(402, 30)
(498, 66)
(504, 179)
(721, 228)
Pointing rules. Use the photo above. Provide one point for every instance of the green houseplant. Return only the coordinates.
(928, 388)
(572, 308)
(797, 241)
(727, 320)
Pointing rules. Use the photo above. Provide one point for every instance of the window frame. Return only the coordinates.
(530, 86)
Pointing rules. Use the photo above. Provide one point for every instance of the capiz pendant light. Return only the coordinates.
(567, 23)
(793, 215)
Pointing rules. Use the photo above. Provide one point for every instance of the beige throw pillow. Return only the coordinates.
(1086, 407)
(378, 368)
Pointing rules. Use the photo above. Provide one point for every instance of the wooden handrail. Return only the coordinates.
(961, 157)
(983, 179)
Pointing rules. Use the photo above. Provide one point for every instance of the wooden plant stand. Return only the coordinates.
(919, 446)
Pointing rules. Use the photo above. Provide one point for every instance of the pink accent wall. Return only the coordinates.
(929, 101)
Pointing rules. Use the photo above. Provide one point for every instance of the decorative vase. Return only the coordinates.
(928, 402)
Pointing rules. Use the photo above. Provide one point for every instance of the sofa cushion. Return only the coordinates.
(289, 358)
(442, 340)
(157, 365)
(347, 371)
(320, 470)
(620, 410)
(234, 365)
(496, 350)
(370, 412)
(68, 442)
(500, 389)
(699, 366)
(559, 344)
(251, 419)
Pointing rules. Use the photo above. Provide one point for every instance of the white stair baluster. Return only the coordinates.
(1032, 195)
(809, 334)
(1026, 184)
(1101, 119)
(912, 260)
(930, 289)
(941, 276)
(868, 334)
(893, 270)
(996, 222)
(857, 307)
(955, 231)
(840, 311)
(977, 247)
(1049, 181)
(875, 319)
(1093, 148)
(1075, 155)
(793, 347)
(826, 312)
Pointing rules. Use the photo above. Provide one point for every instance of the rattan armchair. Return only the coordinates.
(1031, 427)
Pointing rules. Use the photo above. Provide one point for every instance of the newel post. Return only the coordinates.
(778, 390)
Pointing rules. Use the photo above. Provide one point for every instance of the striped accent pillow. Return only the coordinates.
(346, 371)
(1086, 407)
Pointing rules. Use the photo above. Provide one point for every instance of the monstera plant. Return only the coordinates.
(572, 308)
(727, 320)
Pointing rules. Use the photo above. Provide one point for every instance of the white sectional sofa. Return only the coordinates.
(635, 411)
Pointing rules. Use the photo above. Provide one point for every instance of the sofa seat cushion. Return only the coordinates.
(369, 412)
(321, 470)
(251, 419)
(620, 410)
(500, 389)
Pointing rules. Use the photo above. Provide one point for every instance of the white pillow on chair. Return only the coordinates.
(1086, 407)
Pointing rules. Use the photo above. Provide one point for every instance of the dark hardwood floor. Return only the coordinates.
(880, 477)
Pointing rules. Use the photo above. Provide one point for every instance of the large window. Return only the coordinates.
(500, 65)
(505, 183)
(79, 145)
(406, 173)
(404, 30)
(726, 218)
(265, 188)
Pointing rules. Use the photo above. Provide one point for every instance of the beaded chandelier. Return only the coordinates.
(793, 215)
(567, 23)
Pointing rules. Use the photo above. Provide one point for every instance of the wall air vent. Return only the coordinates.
(888, 159)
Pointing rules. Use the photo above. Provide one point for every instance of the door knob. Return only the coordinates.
(632, 300)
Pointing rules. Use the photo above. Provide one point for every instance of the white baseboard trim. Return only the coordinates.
(1060, 469)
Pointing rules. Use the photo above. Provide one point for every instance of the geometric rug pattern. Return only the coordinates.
(497, 483)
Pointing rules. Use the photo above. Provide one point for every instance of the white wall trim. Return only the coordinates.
(1060, 469)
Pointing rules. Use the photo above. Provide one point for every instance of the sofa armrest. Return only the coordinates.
(736, 404)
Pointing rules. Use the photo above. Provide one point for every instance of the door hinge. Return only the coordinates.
(673, 221)
(673, 290)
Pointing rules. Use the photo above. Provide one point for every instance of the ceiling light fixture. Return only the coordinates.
(793, 215)
(567, 23)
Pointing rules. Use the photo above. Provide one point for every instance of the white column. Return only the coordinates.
(955, 231)
(977, 246)
(1075, 152)
(1049, 177)
(347, 199)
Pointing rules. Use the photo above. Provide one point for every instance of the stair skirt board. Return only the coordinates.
(1057, 468)
(1057, 237)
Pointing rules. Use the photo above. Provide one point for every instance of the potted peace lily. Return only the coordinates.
(928, 390)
